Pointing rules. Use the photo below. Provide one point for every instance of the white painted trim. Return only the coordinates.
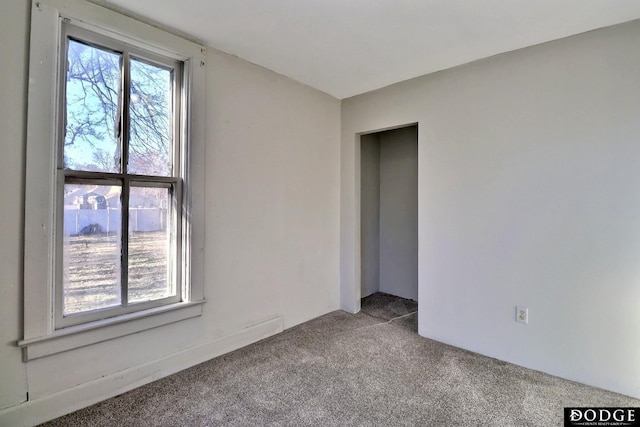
(40, 155)
(107, 329)
(119, 26)
(55, 405)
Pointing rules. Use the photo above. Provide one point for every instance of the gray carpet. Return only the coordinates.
(368, 369)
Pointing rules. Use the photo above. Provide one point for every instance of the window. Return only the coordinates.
(114, 152)
(120, 179)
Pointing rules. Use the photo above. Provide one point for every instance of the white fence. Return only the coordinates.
(109, 220)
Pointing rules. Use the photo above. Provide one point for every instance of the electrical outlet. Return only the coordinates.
(522, 314)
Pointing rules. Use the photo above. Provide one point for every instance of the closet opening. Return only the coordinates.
(389, 217)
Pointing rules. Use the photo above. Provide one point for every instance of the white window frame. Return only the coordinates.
(42, 334)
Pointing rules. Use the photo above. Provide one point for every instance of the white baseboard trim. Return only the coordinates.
(55, 405)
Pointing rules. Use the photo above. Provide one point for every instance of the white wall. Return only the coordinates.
(370, 214)
(273, 179)
(529, 184)
(389, 212)
(272, 233)
(399, 212)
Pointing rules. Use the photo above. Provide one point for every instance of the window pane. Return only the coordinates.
(91, 247)
(93, 82)
(151, 120)
(149, 244)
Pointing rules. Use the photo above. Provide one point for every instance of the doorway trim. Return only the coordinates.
(350, 215)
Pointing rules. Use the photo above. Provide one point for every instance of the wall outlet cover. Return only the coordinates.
(522, 314)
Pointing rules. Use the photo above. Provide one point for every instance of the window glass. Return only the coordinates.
(92, 103)
(91, 247)
(150, 245)
(151, 120)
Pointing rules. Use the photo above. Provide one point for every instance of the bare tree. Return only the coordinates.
(94, 100)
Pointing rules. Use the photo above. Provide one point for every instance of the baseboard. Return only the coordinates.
(55, 405)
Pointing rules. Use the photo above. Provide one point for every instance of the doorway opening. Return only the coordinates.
(389, 216)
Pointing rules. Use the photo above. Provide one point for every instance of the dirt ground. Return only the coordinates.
(91, 274)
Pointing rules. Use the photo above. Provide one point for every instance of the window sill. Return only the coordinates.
(103, 330)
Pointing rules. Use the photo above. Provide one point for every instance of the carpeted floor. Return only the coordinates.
(368, 369)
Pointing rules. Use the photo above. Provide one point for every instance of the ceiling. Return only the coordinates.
(348, 47)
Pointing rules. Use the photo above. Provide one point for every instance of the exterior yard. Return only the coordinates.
(91, 274)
